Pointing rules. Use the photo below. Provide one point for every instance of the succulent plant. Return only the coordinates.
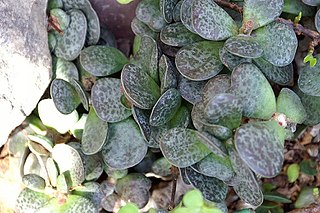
(201, 89)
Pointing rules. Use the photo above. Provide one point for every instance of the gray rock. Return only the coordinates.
(25, 61)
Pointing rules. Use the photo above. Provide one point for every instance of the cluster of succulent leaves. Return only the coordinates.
(197, 89)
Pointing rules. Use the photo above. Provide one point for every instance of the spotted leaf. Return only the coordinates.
(124, 149)
(102, 60)
(65, 70)
(261, 12)
(199, 61)
(139, 87)
(190, 90)
(30, 201)
(260, 145)
(254, 91)
(243, 46)
(230, 60)
(309, 79)
(167, 74)
(183, 147)
(289, 103)
(105, 95)
(279, 43)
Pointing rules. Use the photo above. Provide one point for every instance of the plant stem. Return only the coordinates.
(175, 173)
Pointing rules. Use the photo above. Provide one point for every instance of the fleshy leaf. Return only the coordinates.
(141, 29)
(218, 84)
(211, 21)
(254, 91)
(161, 167)
(289, 103)
(64, 96)
(183, 147)
(124, 149)
(309, 79)
(215, 166)
(34, 182)
(212, 188)
(247, 188)
(139, 87)
(261, 12)
(147, 57)
(177, 11)
(312, 106)
(190, 90)
(243, 46)
(167, 74)
(68, 159)
(279, 75)
(30, 201)
(279, 43)
(94, 134)
(50, 116)
(61, 18)
(260, 145)
(91, 191)
(297, 6)
(165, 108)
(148, 11)
(178, 35)
(93, 25)
(230, 60)
(105, 95)
(142, 119)
(166, 8)
(224, 109)
(102, 60)
(65, 70)
(134, 187)
(199, 61)
(70, 44)
(42, 140)
(52, 171)
(185, 14)
(81, 93)
(312, 2)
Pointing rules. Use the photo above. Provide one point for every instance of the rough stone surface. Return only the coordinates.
(25, 62)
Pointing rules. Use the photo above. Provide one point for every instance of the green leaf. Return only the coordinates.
(142, 119)
(147, 57)
(139, 87)
(199, 61)
(83, 95)
(105, 95)
(177, 12)
(224, 109)
(243, 46)
(167, 74)
(247, 187)
(65, 70)
(279, 43)
(183, 147)
(308, 167)
(90, 190)
(64, 96)
(165, 108)
(261, 12)
(279, 75)
(230, 60)
(124, 1)
(211, 21)
(253, 89)
(30, 201)
(297, 6)
(190, 90)
(93, 25)
(166, 8)
(260, 145)
(54, 4)
(177, 35)
(61, 18)
(193, 198)
(185, 15)
(161, 167)
(94, 135)
(216, 166)
(42, 140)
(311, 105)
(289, 103)
(309, 79)
(125, 146)
(34, 182)
(276, 197)
(141, 29)
(293, 172)
(52, 171)
(311, 59)
(70, 44)
(68, 159)
(148, 11)
(219, 84)
(305, 197)
(212, 189)
(129, 208)
(312, 2)
(51, 117)
(102, 60)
